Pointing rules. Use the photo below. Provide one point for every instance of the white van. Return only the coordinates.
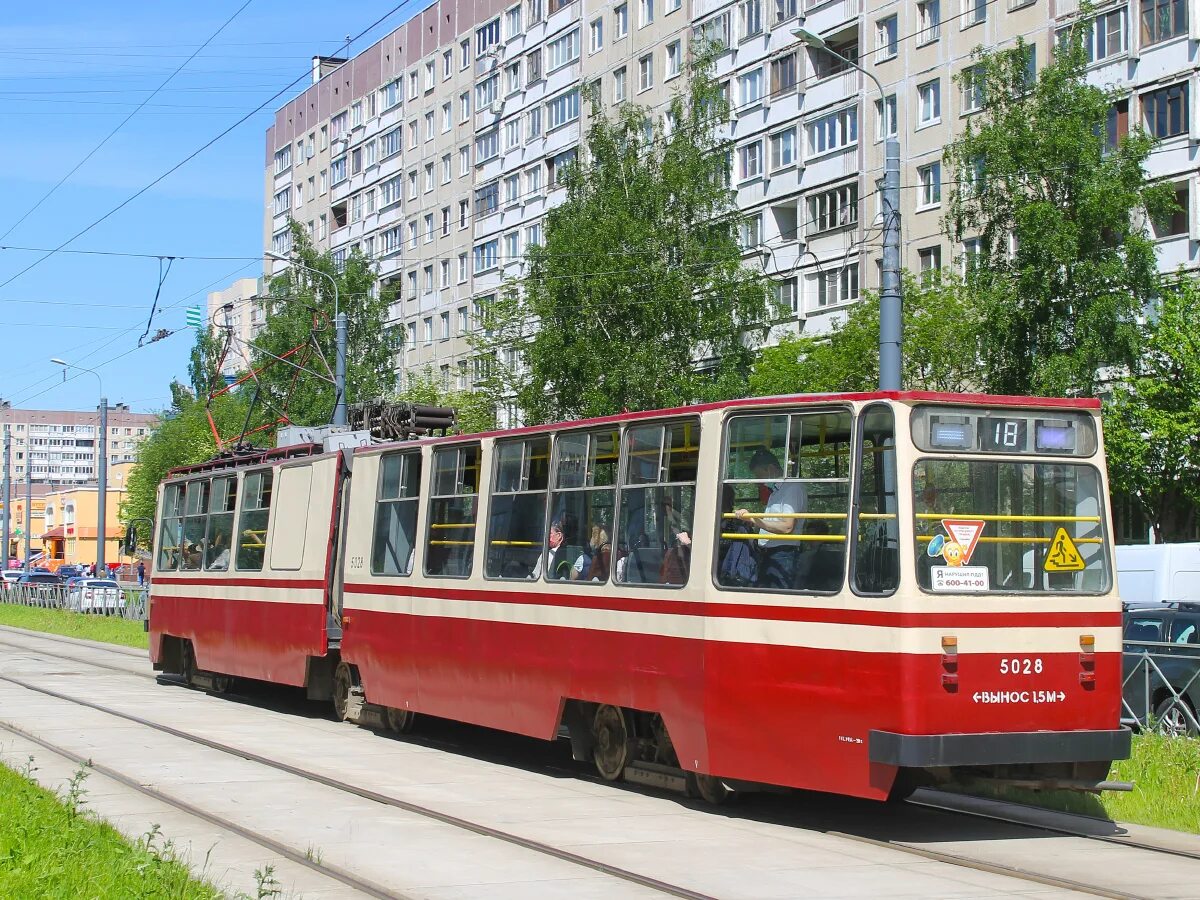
(1158, 573)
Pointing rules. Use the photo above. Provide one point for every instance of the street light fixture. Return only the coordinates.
(890, 363)
(101, 466)
(339, 318)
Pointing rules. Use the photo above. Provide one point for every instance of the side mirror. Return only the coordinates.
(130, 543)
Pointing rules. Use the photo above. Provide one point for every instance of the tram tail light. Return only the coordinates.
(950, 662)
(1087, 651)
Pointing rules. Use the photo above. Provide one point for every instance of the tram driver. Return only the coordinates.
(779, 559)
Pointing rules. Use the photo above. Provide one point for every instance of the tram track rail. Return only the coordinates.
(596, 865)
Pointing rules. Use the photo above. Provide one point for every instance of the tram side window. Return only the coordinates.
(396, 514)
(877, 527)
(171, 532)
(658, 501)
(252, 526)
(453, 510)
(585, 480)
(784, 502)
(517, 509)
(221, 502)
(195, 508)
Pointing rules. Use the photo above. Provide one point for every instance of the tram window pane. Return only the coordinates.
(219, 537)
(395, 536)
(197, 498)
(172, 528)
(453, 508)
(877, 529)
(252, 525)
(582, 506)
(1005, 526)
(516, 526)
(785, 502)
(193, 542)
(654, 538)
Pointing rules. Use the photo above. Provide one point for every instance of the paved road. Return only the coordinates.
(800, 845)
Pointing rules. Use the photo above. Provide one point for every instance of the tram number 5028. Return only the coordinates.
(1021, 666)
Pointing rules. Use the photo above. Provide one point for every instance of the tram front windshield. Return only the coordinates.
(1005, 525)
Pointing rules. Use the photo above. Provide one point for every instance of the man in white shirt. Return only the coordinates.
(778, 557)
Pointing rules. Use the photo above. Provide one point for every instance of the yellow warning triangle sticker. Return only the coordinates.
(1063, 555)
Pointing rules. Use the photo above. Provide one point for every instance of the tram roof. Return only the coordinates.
(280, 454)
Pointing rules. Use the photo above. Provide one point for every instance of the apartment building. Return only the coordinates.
(61, 447)
(436, 151)
(239, 307)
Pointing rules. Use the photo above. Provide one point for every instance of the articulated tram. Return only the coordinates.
(840, 592)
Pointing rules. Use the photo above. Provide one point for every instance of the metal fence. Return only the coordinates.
(127, 601)
(1160, 684)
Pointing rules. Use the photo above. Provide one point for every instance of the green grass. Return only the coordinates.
(109, 629)
(1165, 772)
(51, 847)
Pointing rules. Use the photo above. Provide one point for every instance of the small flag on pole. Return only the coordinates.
(195, 317)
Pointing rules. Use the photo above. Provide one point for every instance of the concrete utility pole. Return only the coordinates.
(890, 302)
(101, 466)
(4, 526)
(28, 507)
(339, 318)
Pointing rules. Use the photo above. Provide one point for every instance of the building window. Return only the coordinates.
(487, 92)
(930, 185)
(1163, 19)
(564, 50)
(836, 286)
(487, 146)
(534, 8)
(974, 12)
(486, 36)
(512, 189)
(487, 199)
(391, 142)
(533, 123)
(930, 263)
(563, 109)
(786, 296)
(620, 20)
(464, 160)
(464, 211)
(1117, 125)
(783, 149)
(512, 134)
(972, 254)
(833, 131)
(886, 37)
(751, 231)
(833, 208)
(512, 246)
(930, 103)
(929, 15)
(283, 159)
(645, 13)
(462, 267)
(512, 78)
(750, 159)
(784, 10)
(390, 95)
(485, 256)
(750, 87)
(971, 85)
(1175, 222)
(645, 73)
(715, 32)
(619, 85)
(783, 75)
(1105, 36)
(596, 35)
(885, 118)
(674, 59)
(750, 18)
(512, 22)
(1166, 110)
(826, 65)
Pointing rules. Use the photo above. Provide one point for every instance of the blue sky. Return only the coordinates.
(69, 73)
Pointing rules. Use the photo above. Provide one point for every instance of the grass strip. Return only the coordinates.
(108, 629)
(1165, 772)
(50, 847)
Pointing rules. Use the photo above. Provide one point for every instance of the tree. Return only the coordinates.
(1152, 421)
(641, 275)
(302, 315)
(476, 412)
(1064, 264)
(941, 346)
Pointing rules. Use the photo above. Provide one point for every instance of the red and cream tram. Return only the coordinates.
(815, 591)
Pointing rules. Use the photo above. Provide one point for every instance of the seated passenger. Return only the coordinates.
(778, 557)
(601, 555)
(557, 565)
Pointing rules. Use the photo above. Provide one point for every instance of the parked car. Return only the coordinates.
(1158, 573)
(70, 571)
(95, 595)
(10, 576)
(39, 589)
(1162, 666)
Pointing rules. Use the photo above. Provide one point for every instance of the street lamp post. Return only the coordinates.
(890, 322)
(5, 526)
(339, 319)
(101, 466)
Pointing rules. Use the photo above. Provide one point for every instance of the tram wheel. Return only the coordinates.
(610, 735)
(187, 663)
(399, 720)
(343, 682)
(709, 788)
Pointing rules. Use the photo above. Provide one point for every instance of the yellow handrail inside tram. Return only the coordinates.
(1000, 518)
(926, 538)
(452, 525)
(451, 543)
(821, 538)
